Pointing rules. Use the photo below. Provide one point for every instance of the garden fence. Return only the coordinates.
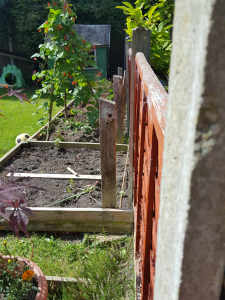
(148, 118)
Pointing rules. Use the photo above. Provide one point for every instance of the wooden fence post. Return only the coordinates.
(120, 71)
(191, 234)
(141, 42)
(117, 91)
(107, 118)
(124, 93)
(127, 47)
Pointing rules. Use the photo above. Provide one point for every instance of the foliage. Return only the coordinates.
(101, 274)
(66, 251)
(21, 18)
(102, 83)
(16, 278)
(159, 19)
(11, 198)
(69, 56)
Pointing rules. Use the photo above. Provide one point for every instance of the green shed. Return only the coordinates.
(98, 36)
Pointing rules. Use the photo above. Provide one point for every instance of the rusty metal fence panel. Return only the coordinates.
(149, 126)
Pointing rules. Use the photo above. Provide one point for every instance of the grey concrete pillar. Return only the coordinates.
(191, 235)
(141, 42)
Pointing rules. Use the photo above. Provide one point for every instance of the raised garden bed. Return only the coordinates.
(73, 219)
(48, 161)
(40, 161)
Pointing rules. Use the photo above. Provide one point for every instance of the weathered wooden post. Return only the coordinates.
(120, 71)
(117, 91)
(191, 234)
(141, 42)
(124, 93)
(127, 47)
(107, 119)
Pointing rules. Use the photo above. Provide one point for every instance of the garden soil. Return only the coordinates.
(54, 160)
(70, 134)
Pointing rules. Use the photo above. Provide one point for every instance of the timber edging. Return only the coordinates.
(80, 220)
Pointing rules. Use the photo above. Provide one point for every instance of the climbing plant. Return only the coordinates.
(67, 56)
(158, 18)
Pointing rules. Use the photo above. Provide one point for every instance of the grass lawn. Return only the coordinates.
(19, 118)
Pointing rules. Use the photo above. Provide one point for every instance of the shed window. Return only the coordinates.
(92, 54)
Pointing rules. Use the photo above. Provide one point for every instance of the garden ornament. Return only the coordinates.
(12, 69)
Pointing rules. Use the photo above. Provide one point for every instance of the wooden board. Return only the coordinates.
(59, 281)
(58, 176)
(80, 220)
(32, 143)
(10, 154)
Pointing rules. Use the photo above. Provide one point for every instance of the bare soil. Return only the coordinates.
(53, 160)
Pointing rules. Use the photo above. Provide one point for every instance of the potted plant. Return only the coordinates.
(18, 275)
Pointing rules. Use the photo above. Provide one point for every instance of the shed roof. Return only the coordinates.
(98, 35)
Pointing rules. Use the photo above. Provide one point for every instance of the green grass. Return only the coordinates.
(19, 118)
(109, 268)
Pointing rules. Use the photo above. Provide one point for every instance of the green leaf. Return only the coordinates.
(128, 4)
(90, 108)
(150, 12)
(162, 24)
(125, 8)
(139, 5)
(55, 12)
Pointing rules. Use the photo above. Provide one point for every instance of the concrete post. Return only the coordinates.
(117, 91)
(141, 42)
(107, 120)
(191, 235)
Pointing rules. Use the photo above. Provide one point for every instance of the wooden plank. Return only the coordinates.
(59, 214)
(32, 143)
(58, 176)
(10, 154)
(150, 190)
(15, 55)
(107, 118)
(59, 281)
(109, 227)
(79, 220)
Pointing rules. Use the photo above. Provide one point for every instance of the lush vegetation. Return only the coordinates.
(19, 119)
(67, 56)
(109, 267)
(159, 19)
